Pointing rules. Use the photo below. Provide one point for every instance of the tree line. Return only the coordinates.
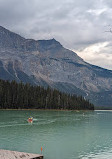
(15, 95)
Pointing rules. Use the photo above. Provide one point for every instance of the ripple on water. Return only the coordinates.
(99, 155)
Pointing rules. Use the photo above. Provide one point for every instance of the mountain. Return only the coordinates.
(48, 63)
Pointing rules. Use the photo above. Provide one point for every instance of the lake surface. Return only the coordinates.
(61, 134)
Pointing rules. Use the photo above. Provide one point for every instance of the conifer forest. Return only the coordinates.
(15, 95)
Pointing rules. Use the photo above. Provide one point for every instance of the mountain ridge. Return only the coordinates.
(48, 63)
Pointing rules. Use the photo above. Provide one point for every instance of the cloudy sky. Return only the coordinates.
(79, 25)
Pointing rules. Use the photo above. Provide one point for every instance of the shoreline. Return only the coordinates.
(103, 110)
(49, 110)
(58, 110)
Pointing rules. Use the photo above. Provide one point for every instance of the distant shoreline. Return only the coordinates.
(49, 109)
(60, 110)
(103, 110)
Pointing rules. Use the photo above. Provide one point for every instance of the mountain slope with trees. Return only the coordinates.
(15, 95)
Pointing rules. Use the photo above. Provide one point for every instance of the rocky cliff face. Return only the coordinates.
(48, 63)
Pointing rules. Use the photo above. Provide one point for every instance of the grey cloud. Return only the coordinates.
(108, 3)
(77, 24)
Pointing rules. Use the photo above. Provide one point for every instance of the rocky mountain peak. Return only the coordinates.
(14, 42)
(50, 44)
(10, 40)
(9, 34)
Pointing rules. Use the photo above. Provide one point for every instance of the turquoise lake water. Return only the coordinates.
(61, 134)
